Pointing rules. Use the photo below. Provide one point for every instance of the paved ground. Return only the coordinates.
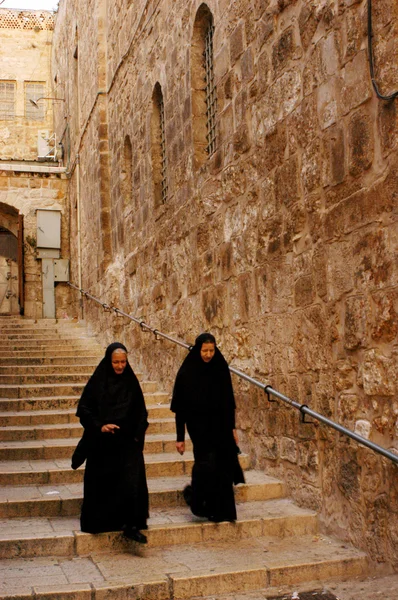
(380, 588)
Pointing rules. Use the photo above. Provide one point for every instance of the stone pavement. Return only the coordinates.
(274, 547)
(370, 588)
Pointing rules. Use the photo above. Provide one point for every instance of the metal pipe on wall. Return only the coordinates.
(79, 246)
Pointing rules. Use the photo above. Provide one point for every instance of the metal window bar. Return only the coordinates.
(211, 92)
(34, 91)
(302, 408)
(7, 100)
(163, 150)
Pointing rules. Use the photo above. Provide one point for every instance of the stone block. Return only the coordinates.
(387, 126)
(355, 211)
(340, 278)
(222, 583)
(154, 590)
(286, 92)
(385, 316)
(320, 272)
(328, 102)
(221, 63)
(273, 146)
(213, 301)
(335, 155)
(225, 261)
(355, 32)
(288, 449)
(355, 323)
(303, 123)
(226, 126)
(247, 65)
(245, 287)
(356, 85)
(236, 43)
(363, 428)
(311, 162)
(283, 51)
(348, 405)
(378, 374)
(265, 29)
(330, 59)
(240, 108)
(287, 182)
(309, 17)
(304, 291)
(63, 591)
(263, 71)
(233, 182)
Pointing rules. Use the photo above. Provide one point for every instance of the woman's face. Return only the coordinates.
(119, 361)
(207, 351)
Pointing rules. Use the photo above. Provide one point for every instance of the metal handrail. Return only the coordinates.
(302, 408)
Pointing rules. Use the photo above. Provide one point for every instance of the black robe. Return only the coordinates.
(115, 487)
(203, 400)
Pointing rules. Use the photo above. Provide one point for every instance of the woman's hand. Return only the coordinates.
(109, 428)
(236, 437)
(180, 447)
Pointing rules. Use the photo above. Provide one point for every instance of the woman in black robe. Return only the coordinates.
(203, 401)
(113, 413)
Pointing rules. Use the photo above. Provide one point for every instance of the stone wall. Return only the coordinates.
(27, 192)
(283, 243)
(25, 54)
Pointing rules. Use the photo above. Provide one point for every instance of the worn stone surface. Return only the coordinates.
(25, 58)
(283, 243)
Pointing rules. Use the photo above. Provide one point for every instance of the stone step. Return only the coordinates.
(48, 417)
(39, 378)
(44, 334)
(61, 536)
(53, 472)
(49, 345)
(61, 402)
(55, 340)
(67, 430)
(52, 449)
(49, 374)
(49, 369)
(9, 391)
(70, 359)
(48, 353)
(18, 322)
(65, 500)
(183, 571)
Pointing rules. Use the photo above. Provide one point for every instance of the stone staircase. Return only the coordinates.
(43, 369)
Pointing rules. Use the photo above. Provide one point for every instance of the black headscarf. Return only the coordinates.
(112, 398)
(201, 386)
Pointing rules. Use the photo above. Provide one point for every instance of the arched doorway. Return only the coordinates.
(11, 261)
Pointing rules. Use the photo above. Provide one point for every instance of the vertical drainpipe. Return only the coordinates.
(79, 245)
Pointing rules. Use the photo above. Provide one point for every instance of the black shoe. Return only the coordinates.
(132, 533)
(187, 494)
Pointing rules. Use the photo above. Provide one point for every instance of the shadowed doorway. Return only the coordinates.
(11, 261)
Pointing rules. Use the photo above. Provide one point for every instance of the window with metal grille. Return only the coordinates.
(127, 173)
(163, 150)
(211, 93)
(203, 87)
(158, 147)
(35, 110)
(7, 99)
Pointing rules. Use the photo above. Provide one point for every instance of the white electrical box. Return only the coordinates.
(61, 269)
(43, 146)
(48, 229)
